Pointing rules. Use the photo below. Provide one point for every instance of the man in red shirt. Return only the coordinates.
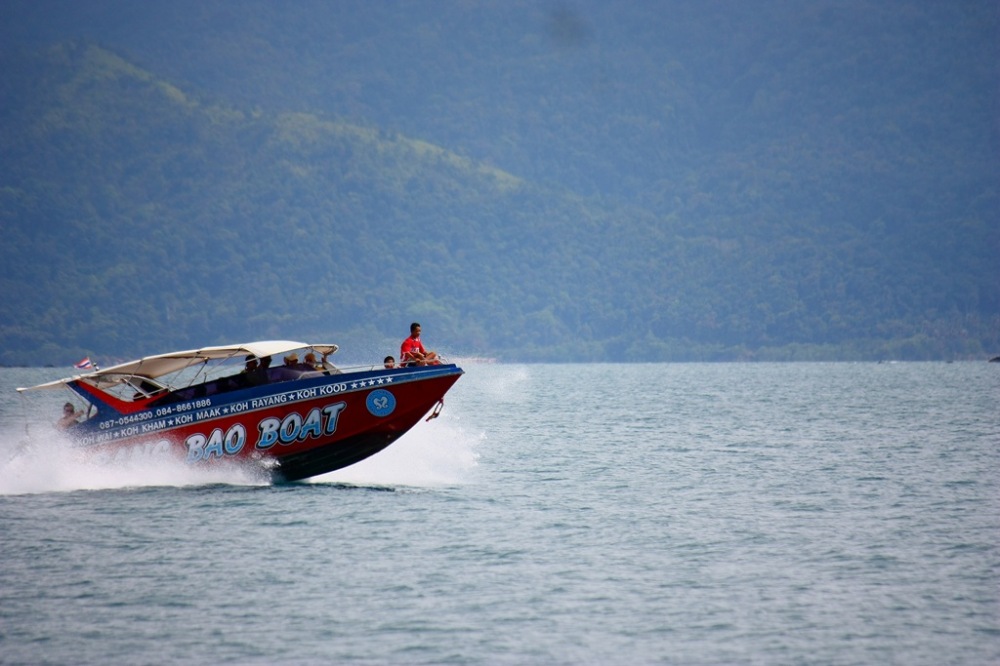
(412, 351)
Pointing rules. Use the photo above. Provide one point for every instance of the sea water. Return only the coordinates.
(553, 514)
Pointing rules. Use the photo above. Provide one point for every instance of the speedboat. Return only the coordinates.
(279, 406)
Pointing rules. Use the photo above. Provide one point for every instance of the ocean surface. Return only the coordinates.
(554, 514)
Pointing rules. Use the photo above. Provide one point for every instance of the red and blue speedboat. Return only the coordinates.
(280, 406)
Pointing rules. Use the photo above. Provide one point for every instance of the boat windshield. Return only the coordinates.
(130, 387)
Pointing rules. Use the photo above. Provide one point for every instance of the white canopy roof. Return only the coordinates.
(165, 364)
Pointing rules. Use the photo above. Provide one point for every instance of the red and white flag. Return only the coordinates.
(84, 364)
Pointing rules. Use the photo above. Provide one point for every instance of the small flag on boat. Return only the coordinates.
(84, 364)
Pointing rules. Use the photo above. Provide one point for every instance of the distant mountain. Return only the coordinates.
(623, 181)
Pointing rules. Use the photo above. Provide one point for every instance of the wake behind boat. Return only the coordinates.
(295, 420)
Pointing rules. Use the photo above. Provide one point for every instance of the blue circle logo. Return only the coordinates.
(380, 402)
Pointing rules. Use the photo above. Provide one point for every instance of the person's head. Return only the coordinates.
(251, 363)
(415, 329)
(309, 358)
(389, 361)
(68, 408)
(291, 359)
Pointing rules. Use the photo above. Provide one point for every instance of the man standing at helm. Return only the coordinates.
(412, 351)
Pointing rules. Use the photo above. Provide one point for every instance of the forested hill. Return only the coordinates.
(575, 181)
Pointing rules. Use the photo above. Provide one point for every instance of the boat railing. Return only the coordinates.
(136, 389)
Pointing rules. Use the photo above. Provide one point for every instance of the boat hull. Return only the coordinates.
(289, 430)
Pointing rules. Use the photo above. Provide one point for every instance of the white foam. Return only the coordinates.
(433, 454)
(49, 463)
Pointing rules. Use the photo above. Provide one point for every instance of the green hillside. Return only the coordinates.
(741, 205)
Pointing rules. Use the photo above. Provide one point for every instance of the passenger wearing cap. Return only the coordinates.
(289, 370)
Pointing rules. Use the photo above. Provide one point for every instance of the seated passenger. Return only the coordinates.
(412, 351)
(389, 362)
(69, 418)
(309, 362)
(290, 370)
(254, 373)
